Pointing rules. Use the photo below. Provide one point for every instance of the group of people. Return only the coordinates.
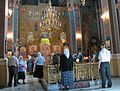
(17, 68)
(82, 57)
(66, 67)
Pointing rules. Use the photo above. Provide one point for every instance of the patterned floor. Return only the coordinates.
(34, 85)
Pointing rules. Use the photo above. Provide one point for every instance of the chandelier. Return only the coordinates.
(30, 37)
(50, 18)
(82, 2)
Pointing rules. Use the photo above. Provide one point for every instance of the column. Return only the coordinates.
(106, 22)
(75, 24)
(114, 7)
(78, 27)
(15, 26)
(72, 25)
(3, 28)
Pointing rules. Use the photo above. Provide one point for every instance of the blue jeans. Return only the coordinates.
(105, 72)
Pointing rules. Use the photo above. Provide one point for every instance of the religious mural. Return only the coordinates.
(22, 51)
(45, 46)
(31, 34)
(57, 49)
(33, 49)
(89, 29)
(106, 20)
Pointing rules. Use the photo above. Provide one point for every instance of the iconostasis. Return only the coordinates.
(36, 39)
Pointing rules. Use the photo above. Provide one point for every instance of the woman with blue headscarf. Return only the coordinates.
(39, 62)
(22, 69)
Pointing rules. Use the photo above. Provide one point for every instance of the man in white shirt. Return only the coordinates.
(13, 67)
(104, 66)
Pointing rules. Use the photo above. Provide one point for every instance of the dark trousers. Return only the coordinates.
(105, 72)
(12, 73)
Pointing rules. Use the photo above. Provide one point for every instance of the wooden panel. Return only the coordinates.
(2, 29)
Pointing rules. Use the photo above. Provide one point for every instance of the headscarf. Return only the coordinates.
(29, 57)
(20, 57)
(66, 52)
(40, 56)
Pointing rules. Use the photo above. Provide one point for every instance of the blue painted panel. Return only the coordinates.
(15, 26)
(72, 29)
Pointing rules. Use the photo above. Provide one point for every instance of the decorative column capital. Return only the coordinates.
(117, 5)
(73, 4)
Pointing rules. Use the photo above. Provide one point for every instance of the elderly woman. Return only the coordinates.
(39, 62)
(66, 68)
(22, 69)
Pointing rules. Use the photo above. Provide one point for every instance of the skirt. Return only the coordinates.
(39, 71)
(21, 75)
(67, 78)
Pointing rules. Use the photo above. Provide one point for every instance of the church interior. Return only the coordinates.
(31, 26)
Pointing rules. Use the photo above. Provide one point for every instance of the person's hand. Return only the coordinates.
(77, 60)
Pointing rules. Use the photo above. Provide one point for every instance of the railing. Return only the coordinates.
(51, 73)
(82, 71)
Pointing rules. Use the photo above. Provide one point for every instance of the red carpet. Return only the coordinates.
(80, 84)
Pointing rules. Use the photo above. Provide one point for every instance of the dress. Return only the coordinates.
(22, 69)
(39, 66)
(66, 67)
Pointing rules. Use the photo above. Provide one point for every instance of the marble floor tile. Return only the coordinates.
(34, 85)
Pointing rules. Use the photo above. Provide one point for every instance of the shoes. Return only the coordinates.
(18, 82)
(109, 86)
(64, 88)
(9, 85)
(102, 86)
(24, 82)
(39, 81)
(15, 85)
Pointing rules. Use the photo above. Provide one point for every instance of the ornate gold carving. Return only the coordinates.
(83, 71)
(51, 73)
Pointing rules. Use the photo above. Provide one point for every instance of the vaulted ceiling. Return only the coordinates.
(35, 2)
